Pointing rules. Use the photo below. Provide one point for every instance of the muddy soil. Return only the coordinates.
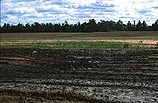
(104, 74)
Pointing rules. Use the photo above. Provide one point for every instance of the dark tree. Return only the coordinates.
(155, 26)
(129, 26)
(91, 26)
(144, 26)
(103, 26)
(139, 26)
(120, 26)
(65, 26)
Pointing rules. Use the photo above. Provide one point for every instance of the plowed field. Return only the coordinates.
(125, 75)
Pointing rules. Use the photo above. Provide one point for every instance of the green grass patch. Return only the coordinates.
(89, 44)
(156, 45)
(81, 45)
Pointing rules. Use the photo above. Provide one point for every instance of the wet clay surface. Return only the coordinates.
(119, 75)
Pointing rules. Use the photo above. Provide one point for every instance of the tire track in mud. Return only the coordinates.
(128, 70)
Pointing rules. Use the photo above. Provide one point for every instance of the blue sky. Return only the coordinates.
(73, 11)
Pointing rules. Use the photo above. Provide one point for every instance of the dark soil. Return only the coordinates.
(115, 75)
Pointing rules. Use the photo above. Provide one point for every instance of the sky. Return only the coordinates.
(74, 11)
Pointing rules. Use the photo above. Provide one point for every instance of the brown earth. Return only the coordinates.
(104, 74)
(137, 41)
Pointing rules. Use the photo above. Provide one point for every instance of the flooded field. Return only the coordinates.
(123, 75)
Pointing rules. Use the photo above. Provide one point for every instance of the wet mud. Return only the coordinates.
(105, 74)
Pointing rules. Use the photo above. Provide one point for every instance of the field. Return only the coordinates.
(109, 67)
(136, 35)
(80, 40)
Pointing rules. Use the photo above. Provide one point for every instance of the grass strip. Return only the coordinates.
(80, 45)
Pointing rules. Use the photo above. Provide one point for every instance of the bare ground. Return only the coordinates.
(107, 75)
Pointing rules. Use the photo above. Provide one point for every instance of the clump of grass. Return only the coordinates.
(126, 45)
(39, 45)
(157, 45)
(85, 44)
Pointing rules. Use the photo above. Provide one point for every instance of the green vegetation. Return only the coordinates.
(118, 39)
(156, 45)
(81, 45)
(89, 44)
(40, 45)
(90, 26)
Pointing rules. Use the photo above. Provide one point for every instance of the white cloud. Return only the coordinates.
(15, 11)
(81, 2)
(25, 9)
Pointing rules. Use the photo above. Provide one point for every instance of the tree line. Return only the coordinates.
(90, 26)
